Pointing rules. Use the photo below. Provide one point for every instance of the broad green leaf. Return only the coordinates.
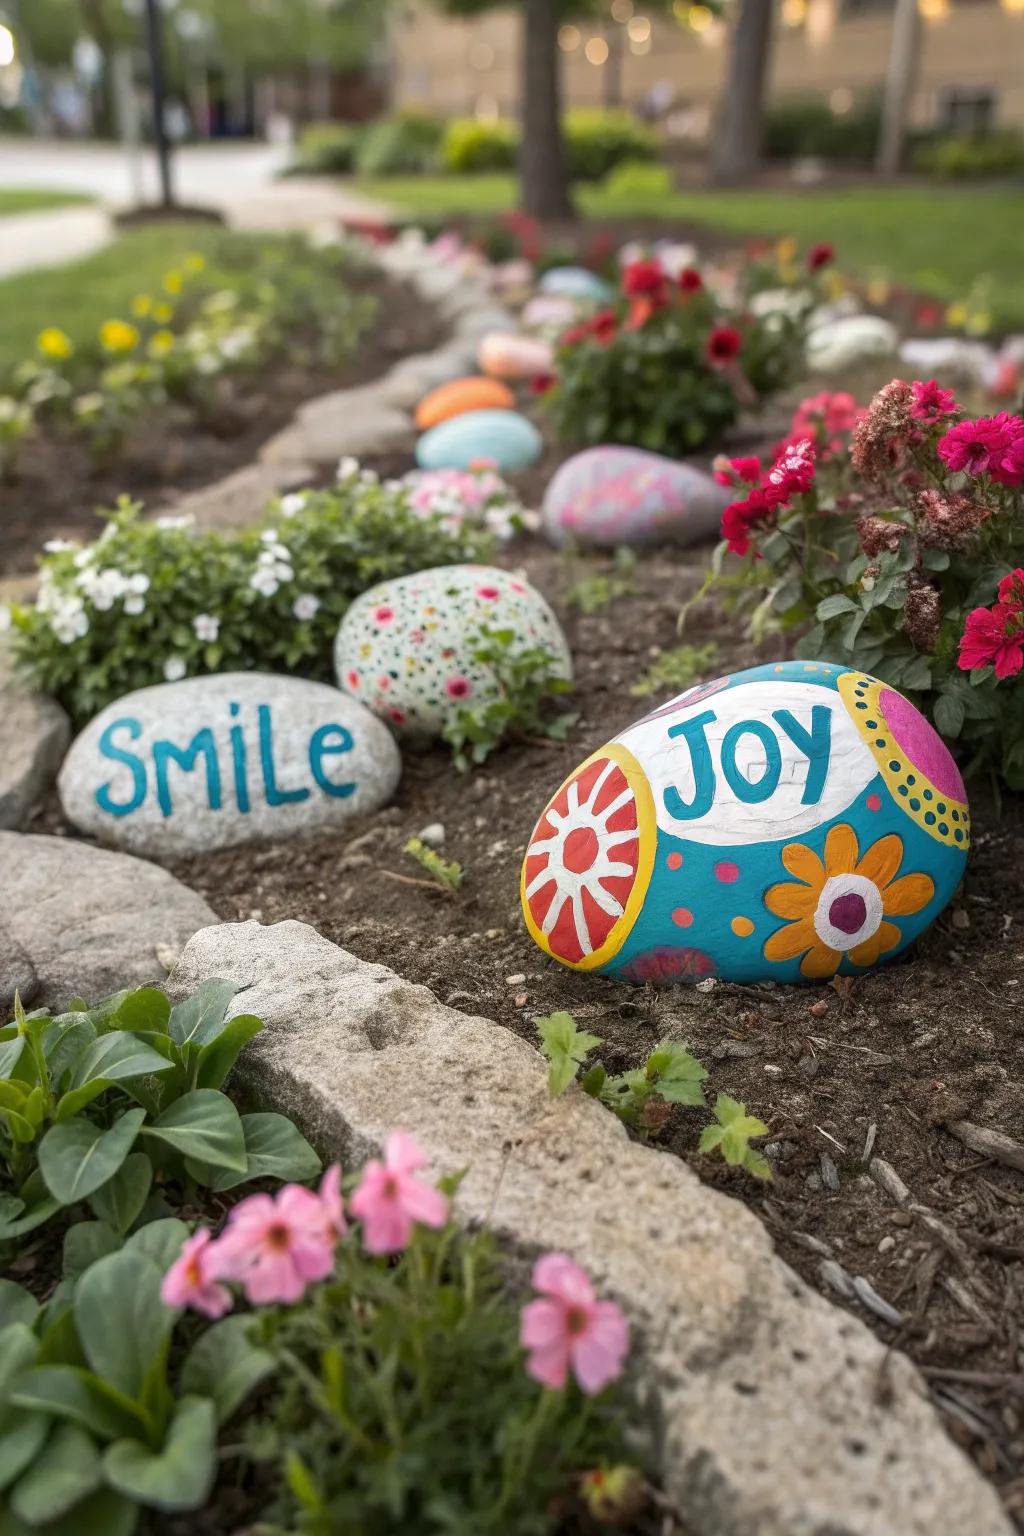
(20, 1443)
(677, 1074)
(13, 1094)
(63, 1044)
(180, 1475)
(119, 1201)
(200, 1018)
(949, 713)
(565, 1047)
(34, 1217)
(22, 1130)
(733, 1134)
(160, 1241)
(146, 1008)
(84, 1243)
(275, 1149)
(70, 1393)
(116, 1056)
(75, 1100)
(203, 1125)
(16, 1304)
(832, 607)
(10, 1054)
(65, 1472)
(77, 1157)
(122, 1322)
(102, 1514)
(217, 1059)
(224, 1366)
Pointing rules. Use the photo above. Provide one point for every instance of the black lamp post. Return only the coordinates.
(156, 82)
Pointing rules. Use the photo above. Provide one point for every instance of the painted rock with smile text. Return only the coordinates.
(791, 822)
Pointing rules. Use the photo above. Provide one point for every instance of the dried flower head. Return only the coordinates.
(949, 522)
(880, 437)
(877, 534)
(922, 615)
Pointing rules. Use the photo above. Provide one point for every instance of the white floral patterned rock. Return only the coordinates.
(408, 648)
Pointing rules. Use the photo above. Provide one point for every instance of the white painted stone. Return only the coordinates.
(406, 648)
(235, 757)
(841, 343)
(610, 495)
(549, 313)
(767, 1394)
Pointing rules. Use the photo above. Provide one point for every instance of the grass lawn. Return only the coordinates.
(80, 296)
(937, 240)
(27, 200)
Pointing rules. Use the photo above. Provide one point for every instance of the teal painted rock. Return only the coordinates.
(607, 496)
(233, 757)
(408, 647)
(575, 283)
(791, 822)
(502, 439)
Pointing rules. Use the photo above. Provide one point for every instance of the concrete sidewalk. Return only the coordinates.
(32, 240)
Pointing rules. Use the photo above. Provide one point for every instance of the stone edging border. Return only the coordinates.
(779, 1414)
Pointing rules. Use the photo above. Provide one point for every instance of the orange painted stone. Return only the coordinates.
(460, 396)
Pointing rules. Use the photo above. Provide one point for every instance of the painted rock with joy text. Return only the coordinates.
(789, 822)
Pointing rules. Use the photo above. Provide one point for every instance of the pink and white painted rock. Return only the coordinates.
(796, 821)
(608, 496)
(506, 355)
(549, 312)
(409, 648)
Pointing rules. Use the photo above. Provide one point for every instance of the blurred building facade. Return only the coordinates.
(971, 75)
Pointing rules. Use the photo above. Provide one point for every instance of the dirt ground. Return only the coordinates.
(58, 486)
(877, 1072)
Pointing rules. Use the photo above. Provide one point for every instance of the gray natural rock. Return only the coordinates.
(236, 757)
(17, 974)
(347, 421)
(84, 921)
(237, 500)
(774, 1424)
(35, 734)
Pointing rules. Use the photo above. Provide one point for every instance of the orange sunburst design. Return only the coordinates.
(590, 859)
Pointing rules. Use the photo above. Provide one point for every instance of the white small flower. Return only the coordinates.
(293, 503)
(85, 557)
(6, 620)
(185, 521)
(348, 468)
(264, 581)
(305, 606)
(282, 571)
(368, 477)
(58, 546)
(138, 584)
(134, 604)
(206, 626)
(174, 669)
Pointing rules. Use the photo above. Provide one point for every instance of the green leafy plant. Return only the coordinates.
(732, 1137)
(597, 591)
(597, 140)
(446, 873)
(156, 599)
(15, 424)
(100, 1104)
(95, 1425)
(525, 679)
(676, 669)
(641, 1098)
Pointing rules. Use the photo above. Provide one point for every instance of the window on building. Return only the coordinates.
(966, 109)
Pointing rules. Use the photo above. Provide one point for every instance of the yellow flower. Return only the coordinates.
(838, 909)
(172, 282)
(979, 324)
(194, 262)
(956, 314)
(835, 284)
(54, 343)
(118, 336)
(163, 312)
(161, 343)
(141, 305)
(785, 249)
(878, 291)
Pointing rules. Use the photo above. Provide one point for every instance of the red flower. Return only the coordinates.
(930, 402)
(928, 314)
(541, 383)
(737, 471)
(723, 344)
(690, 280)
(792, 473)
(820, 256)
(741, 516)
(1011, 591)
(980, 447)
(604, 326)
(644, 278)
(640, 311)
(995, 636)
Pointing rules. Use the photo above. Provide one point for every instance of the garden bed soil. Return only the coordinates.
(877, 1069)
(59, 488)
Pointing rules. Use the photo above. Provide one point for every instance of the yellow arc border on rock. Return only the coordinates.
(647, 827)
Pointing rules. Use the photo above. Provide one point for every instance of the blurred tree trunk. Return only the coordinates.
(904, 53)
(613, 67)
(543, 178)
(103, 94)
(736, 152)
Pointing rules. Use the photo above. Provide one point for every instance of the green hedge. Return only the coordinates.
(963, 157)
(597, 141)
(806, 126)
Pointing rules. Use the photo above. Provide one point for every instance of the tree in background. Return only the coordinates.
(736, 148)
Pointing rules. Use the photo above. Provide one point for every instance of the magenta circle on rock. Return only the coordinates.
(848, 912)
(920, 742)
(727, 872)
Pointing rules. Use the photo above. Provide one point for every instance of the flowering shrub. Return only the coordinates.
(670, 363)
(457, 496)
(893, 538)
(151, 602)
(256, 299)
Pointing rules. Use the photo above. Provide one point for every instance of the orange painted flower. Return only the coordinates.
(838, 908)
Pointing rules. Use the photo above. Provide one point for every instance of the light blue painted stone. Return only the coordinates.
(791, 822)
(503, 438)
(575, 283)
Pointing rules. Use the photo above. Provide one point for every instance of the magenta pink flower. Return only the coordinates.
(931, 402)
(192, 1279)
(332, 1205)
(389, 1198)
(567, 1326)
(979, 447)
(276, 1245)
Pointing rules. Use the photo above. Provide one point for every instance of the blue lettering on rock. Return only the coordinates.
(815, 744)
(319, 748)
(118, 755)
(165, 752)
(274, 795)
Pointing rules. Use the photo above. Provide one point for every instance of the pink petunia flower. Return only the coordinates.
(192, 1280)
(332, 1204)
(931, 402)
(978, 447)
(277, 1245)
(566, 1326)
(389, 1198)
